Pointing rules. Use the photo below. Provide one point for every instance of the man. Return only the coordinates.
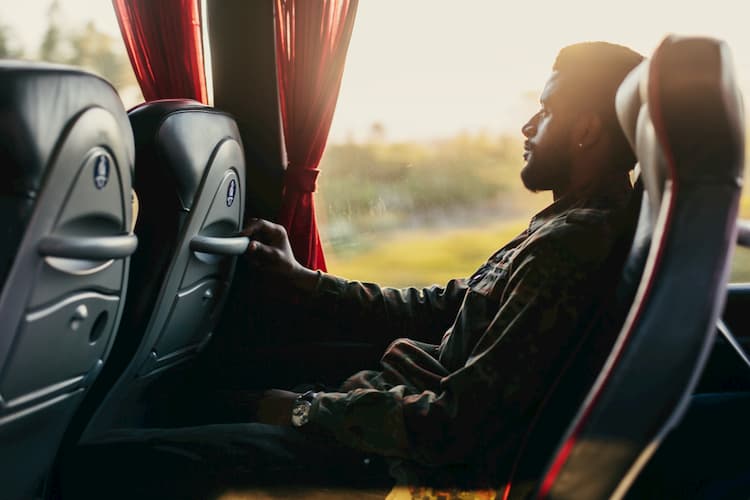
(468, 364)
(480, 353)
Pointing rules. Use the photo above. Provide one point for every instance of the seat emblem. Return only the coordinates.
(101, 171)
(231, 192)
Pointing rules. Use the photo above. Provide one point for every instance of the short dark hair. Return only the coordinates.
(596, 70)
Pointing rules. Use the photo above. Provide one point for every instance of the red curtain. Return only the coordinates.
(312, 37)
(164, 42)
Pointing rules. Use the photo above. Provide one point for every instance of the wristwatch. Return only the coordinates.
(301, 408)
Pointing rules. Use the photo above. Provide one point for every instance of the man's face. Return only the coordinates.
(547, 146)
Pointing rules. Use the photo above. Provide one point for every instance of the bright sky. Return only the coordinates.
(431, 68)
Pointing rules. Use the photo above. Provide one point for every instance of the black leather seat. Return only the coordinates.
(190, 186)
(66, 161)
(683, 114)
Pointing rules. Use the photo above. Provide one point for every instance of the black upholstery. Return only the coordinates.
(38, 103)
(66, 161)
(191, 163)
(682, 112)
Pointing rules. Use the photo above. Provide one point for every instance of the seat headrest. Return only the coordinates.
(37, 103)
(684, 96)
(180, 135)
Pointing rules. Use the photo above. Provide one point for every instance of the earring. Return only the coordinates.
(580, 144)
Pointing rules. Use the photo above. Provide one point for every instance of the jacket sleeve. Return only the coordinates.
(501, 383)
(369, 312)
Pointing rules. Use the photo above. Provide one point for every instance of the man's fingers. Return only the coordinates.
(252, 227)
(260, 250)
(269, 246)
(257, 227)
(262, 229)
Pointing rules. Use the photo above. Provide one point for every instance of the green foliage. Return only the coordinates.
(417, 214)
(9, 49)
(374, 186)
(101, 53)
(51, 49)
(84, 46)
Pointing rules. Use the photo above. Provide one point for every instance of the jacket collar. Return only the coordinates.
(603, 195)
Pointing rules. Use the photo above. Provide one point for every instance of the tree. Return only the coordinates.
(51, 48)
(85, 47)
(97, 51)
(377, 133)
(8, 49)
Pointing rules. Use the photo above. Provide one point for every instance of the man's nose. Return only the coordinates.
(529, 128)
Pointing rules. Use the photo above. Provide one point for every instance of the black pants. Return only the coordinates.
(706, 457)
(205, 461)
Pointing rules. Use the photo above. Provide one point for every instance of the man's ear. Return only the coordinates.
(587, 130)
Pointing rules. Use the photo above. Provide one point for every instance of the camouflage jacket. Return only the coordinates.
(470, 360)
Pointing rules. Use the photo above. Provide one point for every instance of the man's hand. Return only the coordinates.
(275, 407)
(270, 250)
(269, 247)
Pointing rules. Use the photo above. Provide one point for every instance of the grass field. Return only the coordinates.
(425, 257)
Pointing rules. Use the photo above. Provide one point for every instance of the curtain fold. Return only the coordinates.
(164, 42)
(312, 38)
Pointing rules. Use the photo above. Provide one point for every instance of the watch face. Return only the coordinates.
(301, 413)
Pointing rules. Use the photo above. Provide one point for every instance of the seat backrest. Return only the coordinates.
(683, 114)
(190, 188)
(66, 161)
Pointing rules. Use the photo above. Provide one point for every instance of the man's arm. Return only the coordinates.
(497, 390)
(364, 311)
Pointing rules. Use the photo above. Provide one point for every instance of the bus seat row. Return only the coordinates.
(94, 308)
